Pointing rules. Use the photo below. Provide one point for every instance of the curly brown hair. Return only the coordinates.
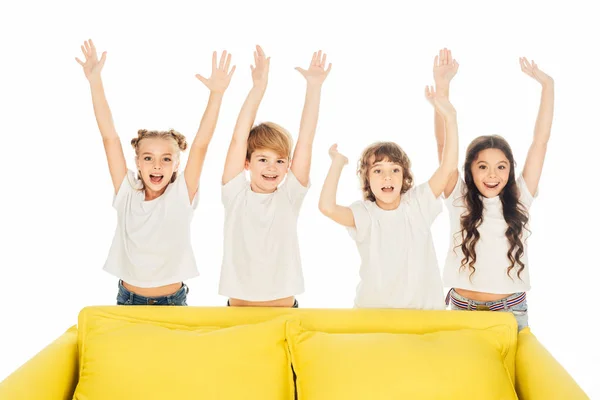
(171, 134)
(515, 214)
(388, 151)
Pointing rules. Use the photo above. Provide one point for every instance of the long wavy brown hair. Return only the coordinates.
(515, 214)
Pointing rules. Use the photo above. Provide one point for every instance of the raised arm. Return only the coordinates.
(327, 202)
(444, 69)
(315, 76)
(217, 84)
(112, 143)
(532, 171)
(449, 163)
(236, 155)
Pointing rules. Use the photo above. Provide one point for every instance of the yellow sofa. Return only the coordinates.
(309, 354)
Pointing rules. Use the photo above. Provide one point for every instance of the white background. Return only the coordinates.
(56, 216)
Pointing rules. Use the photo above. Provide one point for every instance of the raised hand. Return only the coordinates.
(316, 72)
(92, 66)
(441, 103)
(444, 68)
(260, 70)
(336, 155)
(220, 76)
(533, 71)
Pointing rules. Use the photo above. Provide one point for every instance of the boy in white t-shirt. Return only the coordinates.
(261, 257)
(486, 266)
(151, 252)
(391, 226)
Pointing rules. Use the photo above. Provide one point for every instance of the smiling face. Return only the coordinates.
(385, 181)
(491, 171)
(267, 170)
(157, 160)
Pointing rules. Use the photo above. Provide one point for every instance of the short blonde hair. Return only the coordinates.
(269, 135)
(388, 151)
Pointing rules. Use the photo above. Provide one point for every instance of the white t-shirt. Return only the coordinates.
(261, 255)
(399, 268)
(152, 244)
(492, 263)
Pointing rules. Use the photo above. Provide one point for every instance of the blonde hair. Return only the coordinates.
(388, 151)
(269, 135)
(171, 134)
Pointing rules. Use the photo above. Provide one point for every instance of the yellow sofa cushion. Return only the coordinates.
(459, 364)
(125, 358)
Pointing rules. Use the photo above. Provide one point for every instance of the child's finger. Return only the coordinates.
(227, 62)
(231, 73)
(435, 62)
(313, 59)
(102, 60)
(328, 68)
(222, 60)
(255, 58)
(202, 79)
(84, 52)
(449, 56)
(79, 61)
(92, 46)
(324, 61)
(214, 60)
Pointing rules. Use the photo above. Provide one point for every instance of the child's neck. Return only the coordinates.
(388, 206)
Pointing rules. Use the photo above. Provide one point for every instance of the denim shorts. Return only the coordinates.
(518, 310)
(294, 306)
(127, 298)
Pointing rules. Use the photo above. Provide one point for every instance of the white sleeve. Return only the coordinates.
(362, 221)
(182, 191)
(129, 185)
(231, 189)
(456, 194)
(525, 196)
(294, 190)
(429, 206)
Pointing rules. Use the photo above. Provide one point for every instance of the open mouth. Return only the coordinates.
(156, 178)
(491, 185)
(387, 189)
(270, 178)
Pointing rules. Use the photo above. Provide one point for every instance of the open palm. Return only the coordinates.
(316, 72)
(444, 68)
(92, 66)
(221, 75)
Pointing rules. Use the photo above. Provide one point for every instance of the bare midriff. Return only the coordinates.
(285, 302)
(159, 291)
(481, 296)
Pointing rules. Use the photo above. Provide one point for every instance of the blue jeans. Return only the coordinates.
(127, 298)
(518, 310)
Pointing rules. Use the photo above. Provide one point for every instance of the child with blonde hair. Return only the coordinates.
(486, 265)
(391, 225)
(151, 252)
(261, 257)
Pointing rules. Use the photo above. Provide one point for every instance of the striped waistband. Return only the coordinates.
(485, 306)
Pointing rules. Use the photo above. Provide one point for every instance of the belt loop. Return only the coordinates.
(504, 303)
(469, 304)
(130, 297)
(448, 297)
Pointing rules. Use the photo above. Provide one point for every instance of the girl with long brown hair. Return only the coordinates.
(486, 265)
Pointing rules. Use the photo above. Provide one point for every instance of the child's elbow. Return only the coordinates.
(326, 209)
